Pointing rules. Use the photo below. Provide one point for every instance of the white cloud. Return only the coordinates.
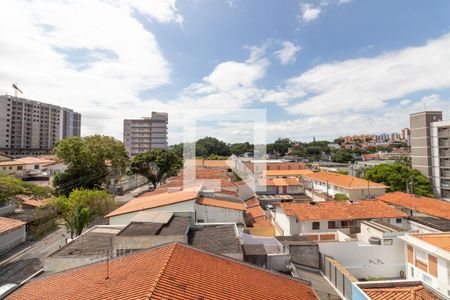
(288, 52)
(309, 12)
(369, 83)
(93, 56)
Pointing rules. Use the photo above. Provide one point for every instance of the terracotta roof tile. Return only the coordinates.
(418, 292)
(441, 240)
(254, 212)
(252, 201)
(152, 200)
(429, 206)
(173, 271)
(7, 224)
(336, 210)
(280, 182)
(342, 180)
(221, 203)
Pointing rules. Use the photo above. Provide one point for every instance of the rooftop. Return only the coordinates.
(26, 161)
(435, 223)
(425, 205)
(398, 291)
(439, 240)
(215, 238)
(298, 172)
(149, 200)
(169, 271)
(7, 224)
(337, 210)
(346, 181)
(175, 226)
(280, 182)
(203, 200)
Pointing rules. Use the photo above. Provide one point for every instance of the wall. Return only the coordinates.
(145, 242)
(12, 238)
(278, 262)
(212, 214)
(58, 264)
(365, 260)
(339, 277)
(124, 219)
(305, 255)
(8, 208)
(283, 221)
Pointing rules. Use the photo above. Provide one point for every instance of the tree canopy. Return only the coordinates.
(400, 178)
(156, 164)
(11, 186)
(81, 207)
(91, 161)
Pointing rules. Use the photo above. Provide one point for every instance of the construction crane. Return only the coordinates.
(16, 89)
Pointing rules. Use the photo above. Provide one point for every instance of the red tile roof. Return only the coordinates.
(440, 240)
(252, 201)
(280, 182)
(221, 203)
(7, 224)
(425, 205)
(417, 292)
(336, 210)
(152, 200)
(346, 181)
(299, 172)
(173, 271)
(255, 212)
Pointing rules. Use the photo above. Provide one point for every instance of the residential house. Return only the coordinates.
(322, 220)
(394, 289)
(428, 259)
(280, 186)
(296, 173)
(12, 233)
(327, 185)
(174, 271)
(213, 208)
(25, 166)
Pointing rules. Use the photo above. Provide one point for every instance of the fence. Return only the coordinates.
(339, 276)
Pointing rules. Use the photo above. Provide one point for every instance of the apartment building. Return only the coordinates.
(430, 149)
(141, 135)
(29, 127)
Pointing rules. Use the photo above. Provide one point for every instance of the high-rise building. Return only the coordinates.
(29, 127)
(406, 136)
(430, 150)
(440, 158)
(140, 135)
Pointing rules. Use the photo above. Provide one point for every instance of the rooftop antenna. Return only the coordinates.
(16, 89)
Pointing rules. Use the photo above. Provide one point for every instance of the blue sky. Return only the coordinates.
(319, 68)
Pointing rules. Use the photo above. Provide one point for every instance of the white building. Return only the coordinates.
(12, 233)
(25, 166)
(428, 259)
(322, 220)
(329, 184)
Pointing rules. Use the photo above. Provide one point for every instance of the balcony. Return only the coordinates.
(444, 133)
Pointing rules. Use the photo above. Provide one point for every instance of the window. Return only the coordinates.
(398, 221)
(36, 167)
(316, 225)
(388, 242)
(19, 168)
(331, 224)
(422, 256)
(344, 224)
(426, 278)
(412, 271)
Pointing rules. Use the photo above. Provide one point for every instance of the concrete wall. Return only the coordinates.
(278, 262)
(365, 260)
(283, 221)
(8, 208)
(59, 264)
(12, 238)
(212, 214)
(305, 255)
(145, 242)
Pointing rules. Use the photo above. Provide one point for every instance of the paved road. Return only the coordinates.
(130, 195)
(19, 265)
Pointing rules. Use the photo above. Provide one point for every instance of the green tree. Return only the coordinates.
(156, 164)
(211, 146)
(340, 197)
(241, 148)
(91, 161)
(342, 156)
(400, 178)
(81, 207)
(11, 186)
(404, 160)
(280, 146)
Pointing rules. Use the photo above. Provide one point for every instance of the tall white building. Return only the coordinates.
(430, 150)
(141, 135)
(29, 127)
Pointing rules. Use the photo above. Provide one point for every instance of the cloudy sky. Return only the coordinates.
(319, 68)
